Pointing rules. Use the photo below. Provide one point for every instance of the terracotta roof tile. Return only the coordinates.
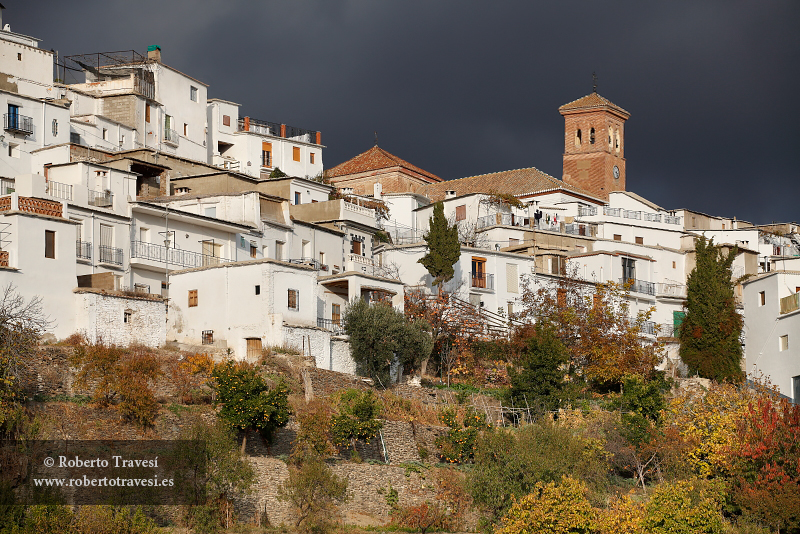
(592, 101)
(515, 182)
(375, 159)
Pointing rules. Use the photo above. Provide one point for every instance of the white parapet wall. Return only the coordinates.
(120, 319)
(329, 351)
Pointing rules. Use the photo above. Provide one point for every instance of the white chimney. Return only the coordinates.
(450, 194)
(377, 190)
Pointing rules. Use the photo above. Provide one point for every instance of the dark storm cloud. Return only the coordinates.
(461, 88)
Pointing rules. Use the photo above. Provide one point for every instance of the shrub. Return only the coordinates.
(421, 517)
(551, 508)
(458, 445)
(312, 490)
(357, 418)
(684, 507)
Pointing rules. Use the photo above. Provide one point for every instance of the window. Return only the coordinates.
(306, 249)
(479, 272)
(322, 258)
(211, 211)
(226, 120)
(126, 316)
(355, 247)
(296, 153)
(19, 57)
(279, 250)
(258, 290)
(55, 127)
(461, 212)
(13, 150)
(253, 250)
(193, 93)
(50, 244)
(336, 313)
(121, 139)
(510, 309)
(311, 158)
(75, 138)
(578, 137)
(628, 269)
(762, 298)
(783, 343)
(105, 134)
(192, 298)
(591, 136)
(147, 113)
(208, 337)
(144, 235)
(185, 129)
(512, 278)
(292, 302)
(266, 154)
(253, 348)
(297, 198)
(211, 252)
(617, 237)
(640, 241)
(673, 264)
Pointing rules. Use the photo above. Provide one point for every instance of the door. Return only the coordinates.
(479, 272)
(253, 349)
(106, 243)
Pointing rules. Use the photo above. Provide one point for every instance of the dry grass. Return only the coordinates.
(396, 408)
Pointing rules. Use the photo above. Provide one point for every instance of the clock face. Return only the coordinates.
(616, 171)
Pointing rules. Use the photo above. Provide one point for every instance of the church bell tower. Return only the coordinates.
(594, 147)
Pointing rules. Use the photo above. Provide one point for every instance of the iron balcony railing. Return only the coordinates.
(101, 199)
(648, 328)
(173, 256)
(171, 136)
(639, 286)
(483, 281)
(83, 250)
(261, 127)
(334, 325)
(59, 190)
(668, 330)
(111, 255)
(18, 123)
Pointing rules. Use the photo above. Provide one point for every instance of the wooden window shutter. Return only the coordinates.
(461, 212)
(292, 304)
(266, 147)
(147, 112)
(226, 120)
(512, 278)
(296, 153)
(640, 241)
(49, 244)
(192, 298)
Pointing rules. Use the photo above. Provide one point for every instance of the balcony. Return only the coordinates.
(334, 325)
(101, 199)
(652, 217)
(483, 281)
(668, 330)
(59, 190)
(51, 208)
(111, 255)
(614, 212)
(648, 328)
(173, 256)
(171, 136)
(276, 129)
(790, 303)
(630, 214)
(671, 219)
(671, 290)
(587, 211)
(83, 250)
(639, 286)
(13, 122)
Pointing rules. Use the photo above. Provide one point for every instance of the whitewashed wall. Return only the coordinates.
(101, 317)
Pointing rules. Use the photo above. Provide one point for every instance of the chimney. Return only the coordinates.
(377, 190)
(449, 194)
(154, 52)
(2, 7)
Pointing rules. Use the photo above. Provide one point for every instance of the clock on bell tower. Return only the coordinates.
(594, 148)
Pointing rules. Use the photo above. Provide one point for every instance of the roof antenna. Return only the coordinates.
(376, 138)
(594, 82)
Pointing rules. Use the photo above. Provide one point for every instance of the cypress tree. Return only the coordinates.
(444, 249)
(710, 331)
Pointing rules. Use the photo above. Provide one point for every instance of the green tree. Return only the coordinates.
(710, 331)
(444, 249)
(540, 381)
(684, 507)
(277, 173)
(247, 401)
(381, 336)
(357, 418)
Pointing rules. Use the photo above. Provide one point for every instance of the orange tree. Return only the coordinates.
(595, 324)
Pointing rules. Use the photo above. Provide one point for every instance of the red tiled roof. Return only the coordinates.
(592, 101)
(375, 159)
(517, 182)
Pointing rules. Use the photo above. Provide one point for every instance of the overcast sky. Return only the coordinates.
(465, 87)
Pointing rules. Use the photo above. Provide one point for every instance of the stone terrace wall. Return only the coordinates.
(367, 486)
(325, 383)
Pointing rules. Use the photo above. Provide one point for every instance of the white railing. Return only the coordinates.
(171, 136)
(671, 290)
(59, 190)
(355, 258)
(586, 212)
(355, 208)
(7, 186)
(652, 217)
(630, 214)
(672, 219)
(614, 212)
